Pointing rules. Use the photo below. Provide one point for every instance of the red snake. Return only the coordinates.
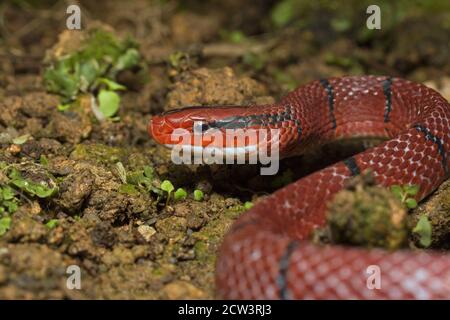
(267, 255)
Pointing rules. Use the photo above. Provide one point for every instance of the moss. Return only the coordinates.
(437, 210)
(201, 251)
(367, 215)
(98, 153)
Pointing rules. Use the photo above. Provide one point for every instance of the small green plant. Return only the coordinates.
(144, 179)
(248, 205)
(283, 12)
(43, 160)
(63, 107)
(424, 229)
(167, 186)
(140, 178)
(8, 200)
(52, 223)
(5, 224)
(235, 36)
(92, 69)
(41, 189)
(405, 194)
(180, 194)
(177, 59)
(108, 102)
(198, 195)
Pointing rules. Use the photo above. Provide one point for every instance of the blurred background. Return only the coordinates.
(286, 41)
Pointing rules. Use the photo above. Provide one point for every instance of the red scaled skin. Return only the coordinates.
(267, 255)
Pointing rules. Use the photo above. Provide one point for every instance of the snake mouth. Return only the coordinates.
(213, 150)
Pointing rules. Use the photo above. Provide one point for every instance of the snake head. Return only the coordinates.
(224, 128)
(162, 127)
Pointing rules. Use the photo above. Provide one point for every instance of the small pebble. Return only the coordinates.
(146, 232)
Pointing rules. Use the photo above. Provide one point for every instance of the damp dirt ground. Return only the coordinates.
(128, 242)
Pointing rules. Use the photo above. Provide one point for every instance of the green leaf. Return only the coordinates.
(62, 80)
(411, 203)
(21, 139)
(283, 12)
(148, 172)
(5, 225)
(52, 223)
(88, 73)
(8, 193)
(63, 107)
(43, 160)
(113, 86)
(411, 189)
(128, 189)
(109, 102)
(236, 36)
(11, 206)
(167, 186)
(180, 194)
(42, 190)
(127, 60)
(424, 230)
(397, 191)
(248, 205)
(198, 195)
(175, 58)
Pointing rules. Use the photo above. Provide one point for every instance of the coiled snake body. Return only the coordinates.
(266, 253)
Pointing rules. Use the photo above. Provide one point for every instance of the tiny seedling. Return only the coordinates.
(424, 229)
(8, 200)
(142, 179)
(283, 12)
(234, 36)
(109, 103)
(248, 205)
(5, 224)
(405, 194)
(40, 189)
(43, 160)
(63, 107)
(167, 186)
(180, 194)
(52, 223)
(198, 195)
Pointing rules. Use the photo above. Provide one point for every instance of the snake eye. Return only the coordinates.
(200, 126)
